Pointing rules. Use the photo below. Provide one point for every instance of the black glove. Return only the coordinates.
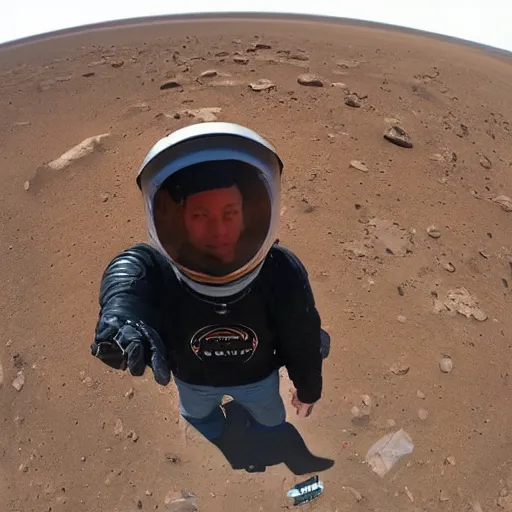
(123, 343)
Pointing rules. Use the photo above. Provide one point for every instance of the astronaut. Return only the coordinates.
(212, 299)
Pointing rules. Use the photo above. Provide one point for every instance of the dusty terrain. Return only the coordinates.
(386, 247)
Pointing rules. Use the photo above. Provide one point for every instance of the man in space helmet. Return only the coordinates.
(213, 299)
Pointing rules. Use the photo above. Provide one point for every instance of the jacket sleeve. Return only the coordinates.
(135, 286)
(298, 324)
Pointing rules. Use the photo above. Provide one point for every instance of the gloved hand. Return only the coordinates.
(122, 343)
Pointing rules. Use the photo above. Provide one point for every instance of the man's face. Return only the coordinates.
(214, 221)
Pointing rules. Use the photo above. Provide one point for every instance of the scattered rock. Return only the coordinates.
(504, 201)
(409, 494)
(446, 364)
(23, 468)
(26, 185)
(352, 101)
(207, 114)
(391, 423)
(170, 84)
(261, 46)
(450, 460)
(172, 459)
(221, 54)
(139, 504)
(241, 60)
(449, 267)
(402, 319)
(360, 166)
(348, 63)
(341, 85)
(129, 393)
(209, 73)
(485, 162)
(133, 436)
(299, 56)
(83, 459)
(399, 369)
(422, 414)
(433, 232)
(81, 150)
(310, 80)
(118, 428)
(484, 254)
(461, 301)
(420, 394)
(263, 84)
(397, 135)
(117, 63)
(19, 381)
(183, 501)
(104, 197)
(89, 74)
(357, 495)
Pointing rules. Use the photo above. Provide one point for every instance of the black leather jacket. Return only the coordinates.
(223, 342)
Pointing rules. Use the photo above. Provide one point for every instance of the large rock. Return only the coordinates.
(81, 150)
(397, 135)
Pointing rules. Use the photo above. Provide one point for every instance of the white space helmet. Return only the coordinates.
(212, 193)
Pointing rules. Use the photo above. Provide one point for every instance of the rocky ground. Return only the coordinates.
(396, 195)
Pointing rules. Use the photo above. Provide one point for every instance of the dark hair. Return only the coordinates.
(204, 176)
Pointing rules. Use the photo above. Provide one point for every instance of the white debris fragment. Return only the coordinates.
(19, 381)
(81, 150)
(461, 301)
(386, 452)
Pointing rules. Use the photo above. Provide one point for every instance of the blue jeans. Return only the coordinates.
(199, 405)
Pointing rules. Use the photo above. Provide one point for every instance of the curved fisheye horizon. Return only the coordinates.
(464, 21)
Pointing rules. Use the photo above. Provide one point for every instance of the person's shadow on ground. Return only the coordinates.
(254, 450)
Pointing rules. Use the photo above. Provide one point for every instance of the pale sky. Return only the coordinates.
(483, 21)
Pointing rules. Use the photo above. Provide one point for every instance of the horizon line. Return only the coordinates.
(234, 15)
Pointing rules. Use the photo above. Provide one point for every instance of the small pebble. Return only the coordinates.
(210, 73)
(433, 232)
(129, 393)
(450, 460)
(391, 423)
(448, 266)
(360, 166)
(420, 394)
(83, 459)
(118, 428)
(26, 186)
(422, 414)
(139, 504)
(19, 381)
(22, 468)
(446, 364)
(104, 197)
(504, 492)
(402, 319)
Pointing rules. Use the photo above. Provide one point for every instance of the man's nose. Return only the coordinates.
(218, 227)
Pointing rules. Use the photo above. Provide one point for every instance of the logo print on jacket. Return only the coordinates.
(224, 344)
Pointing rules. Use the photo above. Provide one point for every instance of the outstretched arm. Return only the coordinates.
(134, 292)
(298, 324)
